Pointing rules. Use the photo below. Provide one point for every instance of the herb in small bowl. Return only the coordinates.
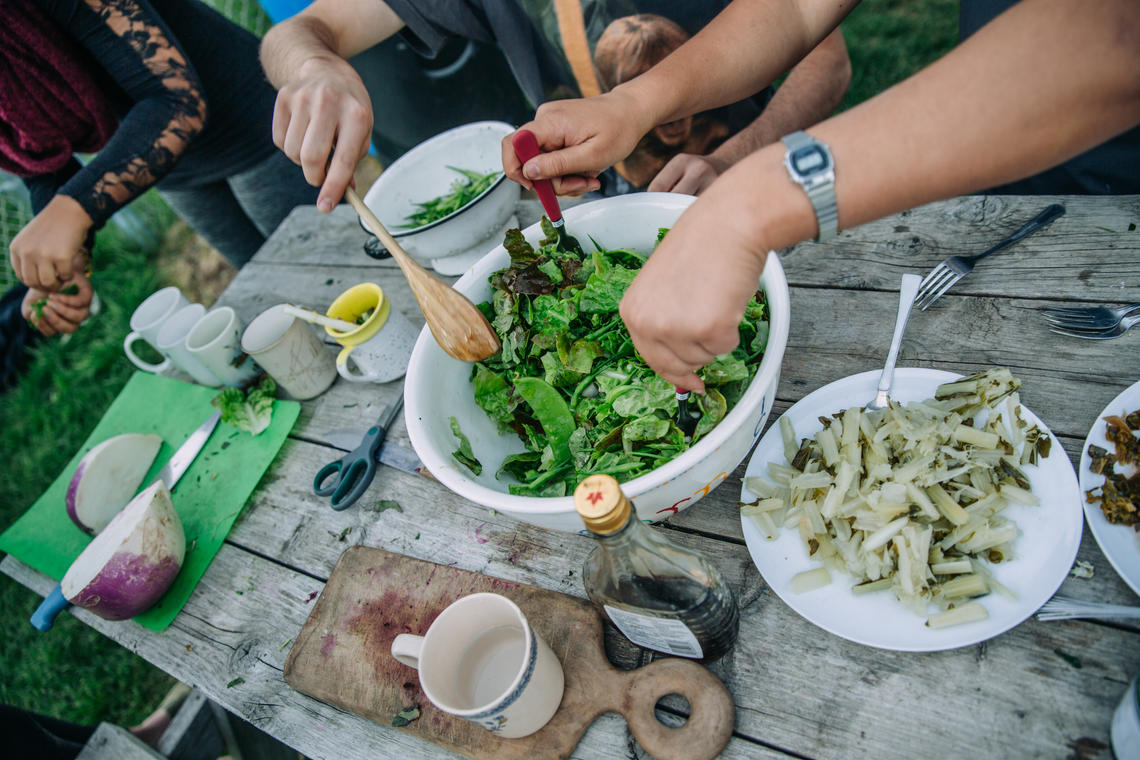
(463, 191)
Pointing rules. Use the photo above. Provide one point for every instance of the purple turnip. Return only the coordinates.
(131, 563)
(107, 477)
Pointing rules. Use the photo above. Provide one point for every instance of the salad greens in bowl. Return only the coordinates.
(568, 396)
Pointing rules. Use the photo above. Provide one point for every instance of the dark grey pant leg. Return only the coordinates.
(215, 214)
(270, 190)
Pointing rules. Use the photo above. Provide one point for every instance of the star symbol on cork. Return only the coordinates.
(595, 497)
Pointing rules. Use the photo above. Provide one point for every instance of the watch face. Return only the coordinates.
(810, 160)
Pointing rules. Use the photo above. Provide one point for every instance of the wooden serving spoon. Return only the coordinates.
(458, 326)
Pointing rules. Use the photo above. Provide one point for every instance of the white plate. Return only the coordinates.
(1050, 535)
(1120, 543)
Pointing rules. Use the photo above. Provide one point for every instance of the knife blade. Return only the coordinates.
(180, 462)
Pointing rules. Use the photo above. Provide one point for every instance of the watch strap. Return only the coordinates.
(821, 194)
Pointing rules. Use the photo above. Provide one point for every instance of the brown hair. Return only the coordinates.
(631, 45)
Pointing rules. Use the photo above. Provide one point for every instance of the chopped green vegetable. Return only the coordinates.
(235, 682)
(38, 310)
(71, 290)
(385, 504)
(251, 411)
(406, 716)
(1068, 658)
(463, 191)
(464, 455)
(568, 381)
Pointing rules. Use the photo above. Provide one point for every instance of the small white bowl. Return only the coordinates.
(438, 387)
(422, 174)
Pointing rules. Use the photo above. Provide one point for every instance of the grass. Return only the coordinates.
(74, 673)
(888, 40)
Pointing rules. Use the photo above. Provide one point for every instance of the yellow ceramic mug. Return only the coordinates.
(381, 346)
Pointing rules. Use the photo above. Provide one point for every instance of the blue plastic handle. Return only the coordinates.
(53, 604)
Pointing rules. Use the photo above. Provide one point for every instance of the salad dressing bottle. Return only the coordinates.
(660, 595)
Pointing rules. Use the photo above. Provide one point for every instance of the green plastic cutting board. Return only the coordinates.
(208, 498)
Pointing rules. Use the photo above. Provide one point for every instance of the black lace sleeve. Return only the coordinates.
(137, 50)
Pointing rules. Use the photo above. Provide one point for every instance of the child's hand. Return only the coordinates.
(62, 312)
(49, 251)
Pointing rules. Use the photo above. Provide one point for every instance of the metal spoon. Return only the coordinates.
(458, 326)
(907, 291)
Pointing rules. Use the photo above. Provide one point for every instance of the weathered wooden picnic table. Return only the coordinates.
(800, 692)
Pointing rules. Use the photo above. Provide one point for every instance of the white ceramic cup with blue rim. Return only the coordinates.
(481, 660)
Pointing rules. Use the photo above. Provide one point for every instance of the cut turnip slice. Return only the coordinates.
(107, 477)
(132, 562)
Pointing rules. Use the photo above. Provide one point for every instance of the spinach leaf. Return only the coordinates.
(605, 286)
(550, 410)
(464, 455)
(723, 369)
(493, 394)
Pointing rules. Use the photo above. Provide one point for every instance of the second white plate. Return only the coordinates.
(1120, 543)
(1050, 536)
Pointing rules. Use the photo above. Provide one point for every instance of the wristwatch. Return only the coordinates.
(810, 165)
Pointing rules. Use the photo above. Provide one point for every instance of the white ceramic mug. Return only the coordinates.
(291, 352)
(481, 660)
(147, 320)
(171, 341)
(379, 349)
(216, 341)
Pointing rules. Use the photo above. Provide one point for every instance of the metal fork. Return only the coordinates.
(1063, 608)
(907, 290)
(1124, 326)
(943, 276)
(1086, 317)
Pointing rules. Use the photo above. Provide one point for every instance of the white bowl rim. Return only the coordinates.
(423, 148)
(447, 472)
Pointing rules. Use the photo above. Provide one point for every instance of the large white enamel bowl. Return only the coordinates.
(438, 387)
(422, 174)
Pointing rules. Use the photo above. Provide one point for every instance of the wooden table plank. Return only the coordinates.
(1088, 254)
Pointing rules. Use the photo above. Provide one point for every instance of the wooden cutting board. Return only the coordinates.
(342, 657)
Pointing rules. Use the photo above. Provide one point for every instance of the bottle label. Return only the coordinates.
(662, 634)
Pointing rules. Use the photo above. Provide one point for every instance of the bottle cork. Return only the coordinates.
(601, 504)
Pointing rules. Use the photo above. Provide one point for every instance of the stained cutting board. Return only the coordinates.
(208, 498)
(342, 657)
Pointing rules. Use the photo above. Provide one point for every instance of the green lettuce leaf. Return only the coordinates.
(251, 411)
(464, 455)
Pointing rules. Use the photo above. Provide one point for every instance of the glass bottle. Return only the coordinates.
(660, 595)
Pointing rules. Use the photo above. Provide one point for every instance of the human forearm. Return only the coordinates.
(809, 94)
(322, 106)
(765, 38)
(329, 30)
(135, 48)
(739, 53)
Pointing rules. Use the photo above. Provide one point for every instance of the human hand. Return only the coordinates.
(578, 139)
(326, 110)
(61, 312)
(49, 251)
(687, 173)
(685, 305)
